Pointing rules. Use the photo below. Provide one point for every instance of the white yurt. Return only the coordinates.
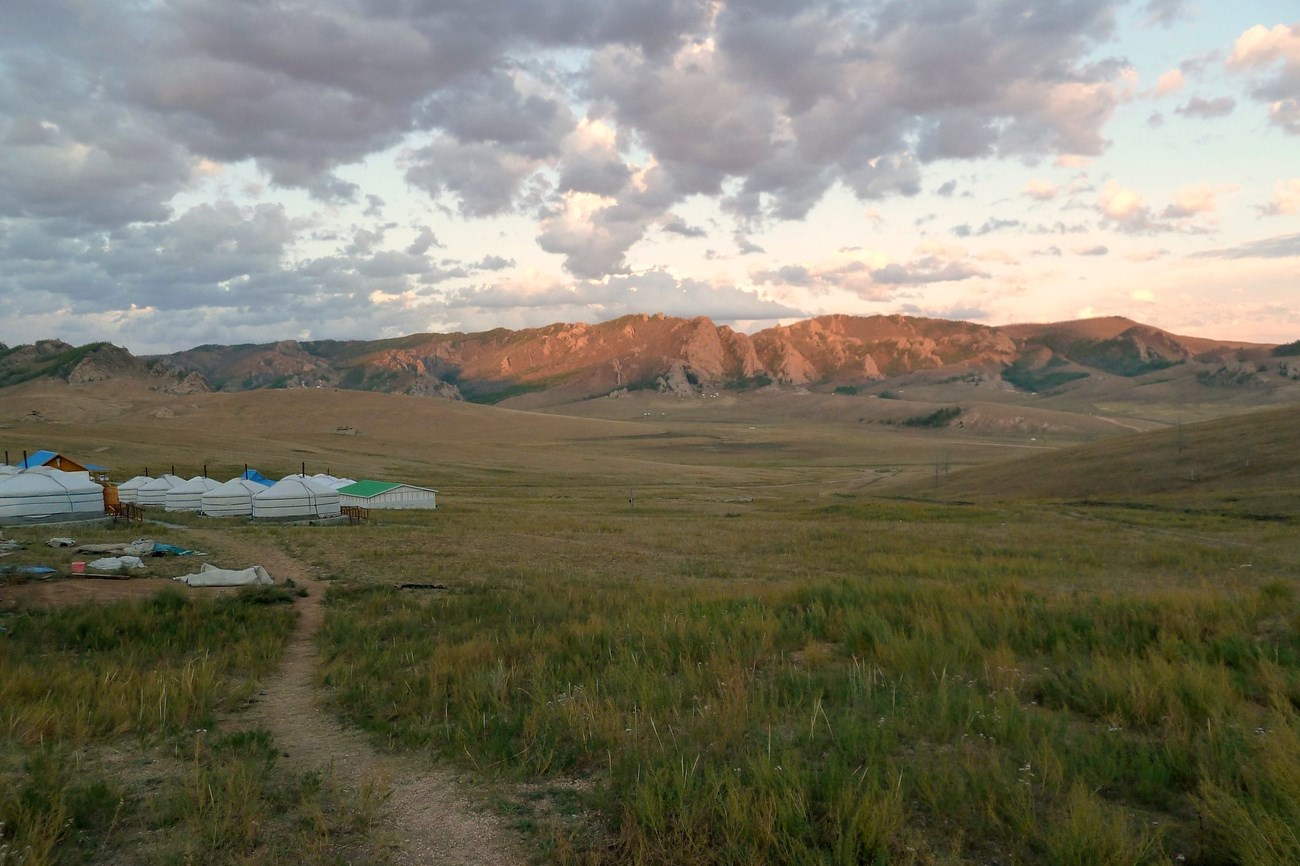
(154, 493)
(127, 490)
(232, 499)
(296, 498)
(188, 495)
(39, 495)
(331, 481)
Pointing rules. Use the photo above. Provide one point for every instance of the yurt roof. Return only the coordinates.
(236, 487)
(163, 482)
(197, 484)
(46, 482)
(294, 488)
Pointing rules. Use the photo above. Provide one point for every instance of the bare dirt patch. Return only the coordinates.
(57, 592)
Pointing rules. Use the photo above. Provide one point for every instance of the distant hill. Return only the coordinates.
(565, 362)
(1252, 456)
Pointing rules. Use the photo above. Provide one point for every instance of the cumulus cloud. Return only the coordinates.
(1040, 190)
(1271, 55)
(1286, 198)
(655, 290)
(1094, 250)
(1199, 199)
(1170, 82)
(871, 274)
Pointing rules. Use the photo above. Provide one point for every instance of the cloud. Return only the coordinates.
(958, 312)
(1040, 190)
(1286, 198)
(1170, 82)
(1165, 12)
(1220, 106)
(1125, 207)
(1146, 255)
(990, 225)
(1094, 250)
(678, 226)
(1271, 56)
(1279, 247)
(1191, 201)
(609, 298)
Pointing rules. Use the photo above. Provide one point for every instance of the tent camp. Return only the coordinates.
(41, 494)
(296, 498)
(127, 490)
(387, 494)
(188, 495)
(232, 499)
(154, 493)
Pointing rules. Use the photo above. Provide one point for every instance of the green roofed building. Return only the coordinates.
(387, 494)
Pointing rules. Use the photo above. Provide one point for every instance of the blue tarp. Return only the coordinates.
(254, 475)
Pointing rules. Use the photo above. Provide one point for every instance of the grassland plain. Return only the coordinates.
(111, 749)
(759, 662)
(813, 679)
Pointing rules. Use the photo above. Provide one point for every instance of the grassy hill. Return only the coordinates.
(1250, 457)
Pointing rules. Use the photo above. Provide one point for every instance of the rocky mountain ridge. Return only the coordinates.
(674, 355)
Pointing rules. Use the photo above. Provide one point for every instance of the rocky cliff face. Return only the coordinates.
(681, 356)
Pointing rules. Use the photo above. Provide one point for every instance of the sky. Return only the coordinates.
(181, 172)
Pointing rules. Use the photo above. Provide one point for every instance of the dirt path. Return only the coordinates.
(427, 817)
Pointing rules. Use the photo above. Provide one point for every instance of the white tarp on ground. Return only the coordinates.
(188, 495)
(115, 563)
(43, 494)
(232, 499)
(211, 575)
(127, 490)
(296, 499)
(154, 493)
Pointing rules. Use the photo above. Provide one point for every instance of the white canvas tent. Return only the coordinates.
(40, 495)
(296, 498)
(127, 490)
(387, 494)
(232, 499)
(331, 481)
(188, 495)
(154, 493)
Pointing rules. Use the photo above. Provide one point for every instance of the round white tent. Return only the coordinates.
(154, 493)
(39, 495)
(188, 495)
(232, 499)
(127, 490)
(296, 499)
(331, 481)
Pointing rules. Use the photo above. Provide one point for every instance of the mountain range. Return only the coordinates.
(565, 362)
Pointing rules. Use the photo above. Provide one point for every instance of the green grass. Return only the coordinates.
(109, 748)
(839, 683)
